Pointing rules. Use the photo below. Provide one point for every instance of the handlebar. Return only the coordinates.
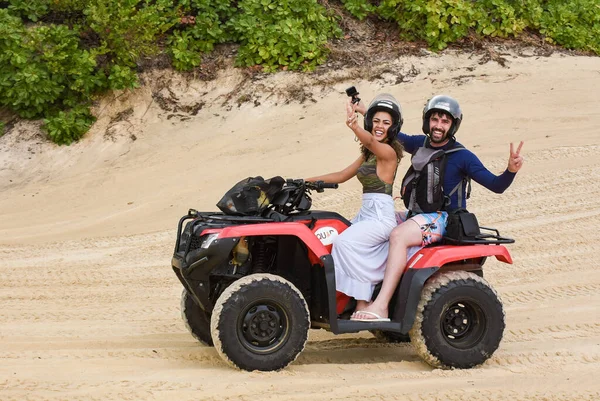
(318, 186)
(324, 185)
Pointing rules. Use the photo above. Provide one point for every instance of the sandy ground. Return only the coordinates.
(90, 305)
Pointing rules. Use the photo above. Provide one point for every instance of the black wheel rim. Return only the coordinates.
(263, 327)
(463, 324)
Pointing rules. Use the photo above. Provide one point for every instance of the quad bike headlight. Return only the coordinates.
(210, 238)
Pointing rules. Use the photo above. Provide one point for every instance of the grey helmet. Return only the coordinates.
(445, 104)
(388, 103)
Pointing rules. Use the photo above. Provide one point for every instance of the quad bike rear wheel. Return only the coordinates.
(260, 322)
(196, 320)
(459, 321)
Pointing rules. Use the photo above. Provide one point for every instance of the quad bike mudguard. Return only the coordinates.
(296, 229)
(443, 254)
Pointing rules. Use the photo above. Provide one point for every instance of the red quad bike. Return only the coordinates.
(255, 285)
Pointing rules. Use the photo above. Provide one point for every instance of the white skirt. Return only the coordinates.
(360, 252)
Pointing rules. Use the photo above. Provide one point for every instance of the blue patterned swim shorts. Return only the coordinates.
(433, 225)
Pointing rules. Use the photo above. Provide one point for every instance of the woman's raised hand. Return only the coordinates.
(351, 116)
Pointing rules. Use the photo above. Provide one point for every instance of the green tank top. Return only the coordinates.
(367, 175)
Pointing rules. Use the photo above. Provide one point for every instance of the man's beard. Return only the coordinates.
(444, 137)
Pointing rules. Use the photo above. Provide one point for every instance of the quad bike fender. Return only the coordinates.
(438, 256)
(206, 258)
(194, 270)
(427, 262)
(409, 294)
(296, 229)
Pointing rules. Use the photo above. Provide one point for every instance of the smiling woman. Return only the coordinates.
(360, 252)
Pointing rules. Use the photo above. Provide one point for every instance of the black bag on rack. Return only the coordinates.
(462, 226)
(251, 196)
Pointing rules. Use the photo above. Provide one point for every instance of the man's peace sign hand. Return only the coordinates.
(515, 161)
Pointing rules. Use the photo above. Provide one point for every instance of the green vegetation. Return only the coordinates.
(57, 56)
(282, 33)
(574, 24)
(31, 10)
(202, 26)
(359, 8)
(43, 68)
(68, 126)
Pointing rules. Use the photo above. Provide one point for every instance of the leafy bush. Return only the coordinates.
(1, 128)
(498, 18)
(359, 8)
(530, 11)
(81, 48)
(202, 30)
(288, 34)
(574, 24)
(185, 54)
(68, 5)
(69, 126)
(122, 77)
(127, 29)
(42, 69)
(439, 22)
(32, 10)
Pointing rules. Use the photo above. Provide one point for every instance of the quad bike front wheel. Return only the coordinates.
(196, 320)
(260, 322)
(459, 321)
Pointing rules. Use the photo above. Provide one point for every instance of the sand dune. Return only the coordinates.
(90, 306)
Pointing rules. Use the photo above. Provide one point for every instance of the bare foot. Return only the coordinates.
(374, 312)
(360, 305)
